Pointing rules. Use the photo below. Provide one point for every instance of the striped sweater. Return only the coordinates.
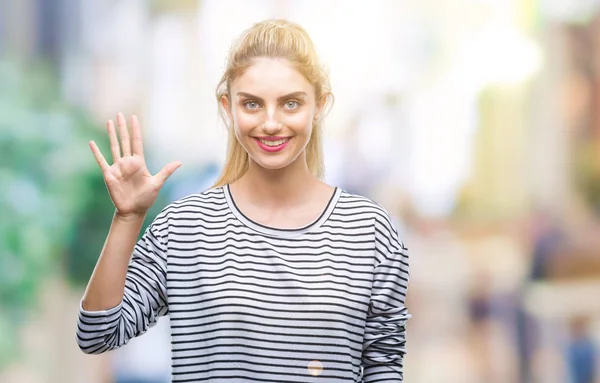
(251, 303)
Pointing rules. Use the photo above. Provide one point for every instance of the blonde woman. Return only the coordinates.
(271, 275)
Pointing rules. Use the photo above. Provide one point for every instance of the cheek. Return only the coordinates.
(300, 121)
(244, 122)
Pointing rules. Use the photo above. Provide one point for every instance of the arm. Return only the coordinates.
(107, 284)
(385, 331)
(107, 321)
(126, 294)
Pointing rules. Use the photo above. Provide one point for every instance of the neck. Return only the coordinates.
(280, 187)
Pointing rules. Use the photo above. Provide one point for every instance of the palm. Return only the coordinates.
(130, 185)
(132, 188)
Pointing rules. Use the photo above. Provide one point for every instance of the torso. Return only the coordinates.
(249, 300)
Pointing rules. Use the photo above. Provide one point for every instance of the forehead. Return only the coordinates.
(268, 76)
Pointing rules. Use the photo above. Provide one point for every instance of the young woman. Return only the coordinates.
(271, 275)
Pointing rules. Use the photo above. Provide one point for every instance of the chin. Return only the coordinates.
(273, 163)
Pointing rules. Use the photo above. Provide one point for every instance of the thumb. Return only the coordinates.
(167, 171)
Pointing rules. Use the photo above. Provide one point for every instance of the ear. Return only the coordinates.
(226, 105)
(322, 106)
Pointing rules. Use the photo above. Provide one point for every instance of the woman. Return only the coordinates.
(271, 275)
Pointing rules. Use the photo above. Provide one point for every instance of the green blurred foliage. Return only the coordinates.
(43, 173)
(54, 208)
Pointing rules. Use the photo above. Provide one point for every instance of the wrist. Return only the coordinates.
(132, 218)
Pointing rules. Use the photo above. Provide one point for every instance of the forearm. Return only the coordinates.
(385, 345)
(107, 284)
(384, 373)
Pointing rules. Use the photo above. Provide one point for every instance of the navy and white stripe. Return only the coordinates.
(250, 303)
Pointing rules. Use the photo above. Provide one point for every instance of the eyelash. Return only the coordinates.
(246, 103)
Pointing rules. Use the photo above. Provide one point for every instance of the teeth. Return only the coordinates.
(274, 143)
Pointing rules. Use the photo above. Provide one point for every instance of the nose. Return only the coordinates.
(271, 126)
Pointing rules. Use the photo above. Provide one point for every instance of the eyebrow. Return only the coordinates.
(279, 99)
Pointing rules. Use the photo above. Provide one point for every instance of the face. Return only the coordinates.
(273, 109)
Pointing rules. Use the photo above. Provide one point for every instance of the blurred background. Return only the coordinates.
(476, 123)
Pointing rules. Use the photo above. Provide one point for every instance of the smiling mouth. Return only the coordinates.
(273, 143)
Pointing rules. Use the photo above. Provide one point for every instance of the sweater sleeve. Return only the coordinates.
(144, 300)
(385, 331)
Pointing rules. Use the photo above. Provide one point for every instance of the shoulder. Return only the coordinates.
(355, 204)
(385, 225)
(210, 202)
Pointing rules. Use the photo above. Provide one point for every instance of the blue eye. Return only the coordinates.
(251, 105)
(292, 104)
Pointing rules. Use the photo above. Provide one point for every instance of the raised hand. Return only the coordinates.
(132, 188)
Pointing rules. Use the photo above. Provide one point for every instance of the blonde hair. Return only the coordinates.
(273, 39)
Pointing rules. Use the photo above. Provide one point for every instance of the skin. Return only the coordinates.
(271, 99)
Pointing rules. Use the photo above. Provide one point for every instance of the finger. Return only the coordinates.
(114, 142)
(124, 133)
(99, 157)
(167, 171)
(136, 137)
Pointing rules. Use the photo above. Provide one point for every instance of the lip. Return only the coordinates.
(272, 149)
(272, 138)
